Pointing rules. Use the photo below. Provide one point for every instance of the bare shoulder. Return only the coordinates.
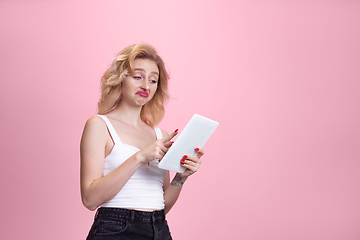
(95, 126)
(95, 122)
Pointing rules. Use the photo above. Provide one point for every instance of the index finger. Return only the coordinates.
(170, 136)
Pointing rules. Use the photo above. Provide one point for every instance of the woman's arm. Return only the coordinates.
(96, 189)
(172, 190)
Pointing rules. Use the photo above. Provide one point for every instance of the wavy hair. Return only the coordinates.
(153, 111)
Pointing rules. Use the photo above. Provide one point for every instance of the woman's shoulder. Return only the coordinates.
(95, 119)
(95, 122)
(94, 133)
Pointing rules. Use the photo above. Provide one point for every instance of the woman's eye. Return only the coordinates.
(136, 77)
(153, 81)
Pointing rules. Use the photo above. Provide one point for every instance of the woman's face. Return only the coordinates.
(139, 88)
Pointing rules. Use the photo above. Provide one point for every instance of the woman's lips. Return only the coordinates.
(143, 93)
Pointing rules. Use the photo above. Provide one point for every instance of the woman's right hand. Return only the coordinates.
(157, 149)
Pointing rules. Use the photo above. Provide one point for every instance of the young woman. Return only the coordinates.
(121, 148)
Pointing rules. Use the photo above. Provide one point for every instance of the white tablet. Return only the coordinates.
(195, 134)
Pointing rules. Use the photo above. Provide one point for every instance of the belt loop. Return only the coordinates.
(132, 214)
(153, 216)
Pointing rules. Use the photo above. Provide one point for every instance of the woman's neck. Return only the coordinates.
(127, 114)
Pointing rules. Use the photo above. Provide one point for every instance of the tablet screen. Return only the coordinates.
(195, 134)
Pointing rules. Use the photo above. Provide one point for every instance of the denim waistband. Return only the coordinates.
(122, 213)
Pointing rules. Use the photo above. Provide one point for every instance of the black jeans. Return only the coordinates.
(119, 223)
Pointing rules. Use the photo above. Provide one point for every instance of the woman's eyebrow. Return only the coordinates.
(143, 70)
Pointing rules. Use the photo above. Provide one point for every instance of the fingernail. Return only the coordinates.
(182, 163)
(176, 130)
(197, 149)
(185, 156)
(172, 142)
(183, 160)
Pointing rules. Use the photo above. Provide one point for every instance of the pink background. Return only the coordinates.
(281, 77)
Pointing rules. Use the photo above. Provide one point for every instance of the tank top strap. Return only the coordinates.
(158, 133)
(112, 131)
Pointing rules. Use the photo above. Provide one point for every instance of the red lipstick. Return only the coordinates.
(142, 93)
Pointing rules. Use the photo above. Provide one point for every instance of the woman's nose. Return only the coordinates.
(145, 85)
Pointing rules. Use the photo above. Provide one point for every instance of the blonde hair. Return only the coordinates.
(152, 112)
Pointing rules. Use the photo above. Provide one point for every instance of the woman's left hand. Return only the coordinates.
(191, 163)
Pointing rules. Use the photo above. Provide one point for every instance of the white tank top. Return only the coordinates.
(145, 187)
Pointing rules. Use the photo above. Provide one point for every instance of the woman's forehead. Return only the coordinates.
(146, 66)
